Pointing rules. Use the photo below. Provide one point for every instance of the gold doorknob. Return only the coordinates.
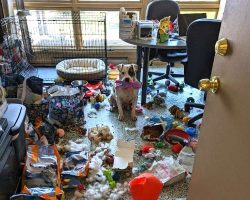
(212, 85)
(221, 47)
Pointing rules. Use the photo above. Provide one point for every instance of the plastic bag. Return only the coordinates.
(168, 170)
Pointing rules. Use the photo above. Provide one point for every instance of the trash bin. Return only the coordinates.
(15, 115)
(9, 165)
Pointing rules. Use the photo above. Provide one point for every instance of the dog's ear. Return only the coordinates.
(135, 67)
(120, 67)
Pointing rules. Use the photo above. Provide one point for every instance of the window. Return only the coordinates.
(111, 8)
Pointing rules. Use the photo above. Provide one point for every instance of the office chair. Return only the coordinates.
(202, 35)
(156, 10)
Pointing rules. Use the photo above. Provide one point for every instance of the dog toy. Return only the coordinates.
(180, 127)
(97, 106)
(177, 112)
(149, 105)
(159, 100)
(60, 132)
(173, 88)
(176, 148)
(127, 85)
(174, 136)
(100, 133)
(108, 174)
(186, 119)
(191, 131)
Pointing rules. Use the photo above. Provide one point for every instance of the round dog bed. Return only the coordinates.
(81, 69)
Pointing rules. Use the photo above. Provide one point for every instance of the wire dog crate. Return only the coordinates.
(14, 55)
(73, 41)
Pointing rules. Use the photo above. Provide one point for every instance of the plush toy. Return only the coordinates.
(100, 134)
(177, 112)
(164, 28)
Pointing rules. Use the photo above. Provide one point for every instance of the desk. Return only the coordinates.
(171, 44)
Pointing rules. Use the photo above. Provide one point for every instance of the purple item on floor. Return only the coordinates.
(127, 85)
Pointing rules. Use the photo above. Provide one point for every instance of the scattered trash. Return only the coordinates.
(92, 114)
(123, 157)
(152, 132)
(186, 159)
(76, 164)
(145, 187)
(149, 152)
(73, 146)
(130, 130)
(168, 170)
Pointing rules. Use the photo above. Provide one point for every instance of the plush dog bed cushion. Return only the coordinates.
(83, 69)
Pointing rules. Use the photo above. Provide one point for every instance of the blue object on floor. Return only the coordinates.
(155, 120)
(168, 121)
(191, 131)
(149, 90)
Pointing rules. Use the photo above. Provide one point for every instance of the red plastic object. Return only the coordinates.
(173, 88)
(89, 93)
(112, 66)
(145, 148)
(176, 148)
(94, 86)
(145, 187)
(174, 136)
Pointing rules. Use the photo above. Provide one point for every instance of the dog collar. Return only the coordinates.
(126, 85)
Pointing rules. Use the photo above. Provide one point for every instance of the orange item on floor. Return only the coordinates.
(145, 187)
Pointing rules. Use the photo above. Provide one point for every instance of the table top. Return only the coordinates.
(172, 43)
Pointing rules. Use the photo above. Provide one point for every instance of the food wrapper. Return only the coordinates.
(76, 164)
(168, 170)
(41, 174)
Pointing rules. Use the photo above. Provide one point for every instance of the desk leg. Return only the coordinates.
(138, 62)
(145, 76)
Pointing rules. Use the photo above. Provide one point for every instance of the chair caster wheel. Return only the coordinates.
(167, 83)
(190, 99)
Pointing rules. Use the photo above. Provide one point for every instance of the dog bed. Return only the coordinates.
(81, 69)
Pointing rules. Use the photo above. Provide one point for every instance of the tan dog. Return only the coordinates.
(125, 90)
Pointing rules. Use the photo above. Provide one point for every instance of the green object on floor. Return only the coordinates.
(108, 174)
(159, 145)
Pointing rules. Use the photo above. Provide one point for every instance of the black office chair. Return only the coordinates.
(156, 10)
(202, 35)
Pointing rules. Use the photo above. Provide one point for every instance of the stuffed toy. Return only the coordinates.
(164, 28)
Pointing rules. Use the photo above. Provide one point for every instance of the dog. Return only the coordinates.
(125, 91)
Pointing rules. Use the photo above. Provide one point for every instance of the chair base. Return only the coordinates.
(190, 105)
(168, 75)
